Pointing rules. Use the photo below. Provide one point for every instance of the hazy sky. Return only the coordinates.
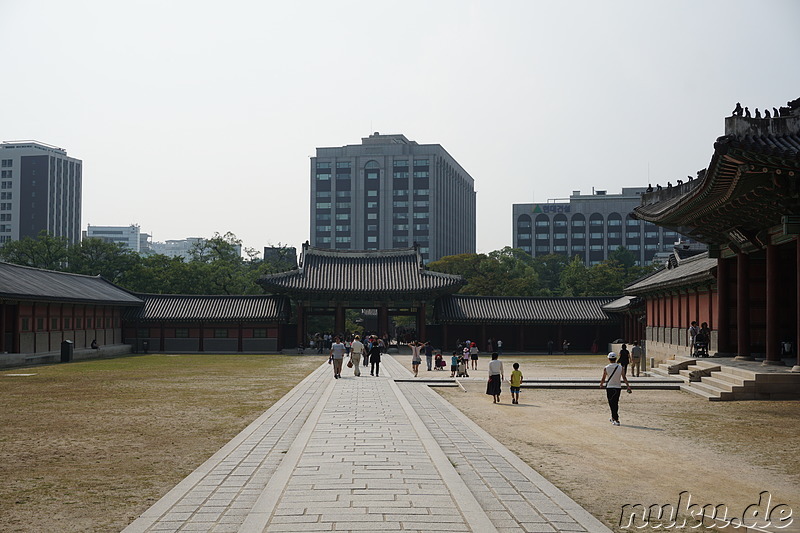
(194, 117)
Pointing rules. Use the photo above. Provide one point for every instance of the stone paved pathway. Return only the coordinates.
(364, 454)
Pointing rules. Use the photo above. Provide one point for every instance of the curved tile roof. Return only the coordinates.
(696, 269)
(194, 308)
(461, 309)
(361, 274)
(26, 283)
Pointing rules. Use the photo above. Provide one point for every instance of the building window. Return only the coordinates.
(400, 175)
(400, 163)
(400, 192)
(420, 162)
(422, 174)
(323, 194)
(259, 333)
(323, 177)
(562, 236)
(324, 240)
(372, 205)
(402, 204)
(26, 324)
(400, 216)
(421, 203)
(78, 323)
(400, 241)
(372, 193)
(343, 194)
(323, 205)
(422, 192)
(53, 324)
(343, 227)
(542, 237)
(343, 164)
(343, 205)
(372, 239)
(541, 249)
(372, 216)
(596, 247)
(578, 248)
(88, 323)
(220, 333)
(400, 227)
(342, 240)
(67, 323)
(323, 229)
(323, 164)
(324, 216)
(372, 227)
(421, 216)
(341, 216)
(578, 235)
(596, 236)
(7, 162)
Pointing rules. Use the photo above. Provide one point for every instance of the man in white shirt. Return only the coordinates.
(356, 351)
(612, 381)
(337, 357)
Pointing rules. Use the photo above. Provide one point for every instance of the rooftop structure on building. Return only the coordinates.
(390, 192)
(590, 226)
(40, 190)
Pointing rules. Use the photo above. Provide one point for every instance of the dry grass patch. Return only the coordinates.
(89, 446)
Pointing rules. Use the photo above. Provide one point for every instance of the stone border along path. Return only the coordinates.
(364, 454)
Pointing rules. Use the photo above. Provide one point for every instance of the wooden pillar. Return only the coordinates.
(445, 341)
(240, 343)
(796, 367)
(422, 334)
(773, 319)
(3, 328)
(383, 320)
(724, 305)
(301, 325)
(201, 346)
(743, 307)
(162, 341)
(338, 328)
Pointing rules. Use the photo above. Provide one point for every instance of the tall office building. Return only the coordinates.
(390, 192)
(40, 189)
(590, 226)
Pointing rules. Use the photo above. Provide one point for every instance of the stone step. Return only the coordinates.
(710, 389)
(710, 396)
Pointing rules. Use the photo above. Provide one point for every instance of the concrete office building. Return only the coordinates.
(390, 192)
(40, 190)
(590, 226)
(130, 237)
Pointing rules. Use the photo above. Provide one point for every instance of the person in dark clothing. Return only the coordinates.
(375, 357)
(624, 359)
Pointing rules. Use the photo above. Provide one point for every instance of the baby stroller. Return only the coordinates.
(462, 368)
(701, 345)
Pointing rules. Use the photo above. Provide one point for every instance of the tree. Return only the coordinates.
(96, 257)
(549, 269)
(45, 251)
(505, 272)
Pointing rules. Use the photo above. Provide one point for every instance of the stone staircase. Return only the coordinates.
(720, 380)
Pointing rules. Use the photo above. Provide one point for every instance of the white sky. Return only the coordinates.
(194, 117)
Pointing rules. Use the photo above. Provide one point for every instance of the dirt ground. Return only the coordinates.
(89, 446)
(669, 442)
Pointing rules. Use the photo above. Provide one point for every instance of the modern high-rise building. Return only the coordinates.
(590, 226)
(130, 237)
(40, 189)
(390, 192)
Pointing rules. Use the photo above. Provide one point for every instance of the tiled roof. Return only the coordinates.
(460, 309)
(696, 269)
(621, 304)
(27, 283)
(361, 275)
(191, 308)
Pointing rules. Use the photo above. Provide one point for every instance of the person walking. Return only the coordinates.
(494, 386)
(516, 383)
(637, 355)
(337, 357)
(565, 346)
(356, 352)
(624, 359)
(499, 346)
(375, 358)
(428, 354)
(694, 329)
(611, 381)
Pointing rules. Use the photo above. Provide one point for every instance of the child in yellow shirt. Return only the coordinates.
(516, 383)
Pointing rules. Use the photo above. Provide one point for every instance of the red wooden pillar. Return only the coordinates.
(743, 307)
(773, 320)
(301, 325)
(796, 367)
(422, 334)
(338, 327)
(724, 305)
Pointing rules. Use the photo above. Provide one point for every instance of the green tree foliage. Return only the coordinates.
(96, 257)
(45, 251)
(506, 272)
